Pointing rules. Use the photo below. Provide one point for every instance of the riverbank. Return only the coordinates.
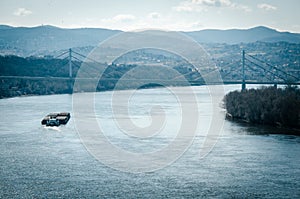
(265, 106)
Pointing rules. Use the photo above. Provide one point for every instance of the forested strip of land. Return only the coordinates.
(269, 105)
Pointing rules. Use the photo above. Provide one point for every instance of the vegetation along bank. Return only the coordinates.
(267, 105)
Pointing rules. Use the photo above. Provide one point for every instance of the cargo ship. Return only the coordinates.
(56, 119)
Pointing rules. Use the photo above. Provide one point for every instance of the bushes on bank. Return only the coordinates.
(269, 105)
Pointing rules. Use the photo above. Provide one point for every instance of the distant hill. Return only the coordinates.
(234, 36)
(5, 27)
(42, 40)
(30, 41)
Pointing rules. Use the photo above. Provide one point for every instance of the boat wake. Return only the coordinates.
(52, 128)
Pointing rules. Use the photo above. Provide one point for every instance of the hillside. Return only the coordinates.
(25, 41)
(43, 40)
(51, 76)
(235, 36)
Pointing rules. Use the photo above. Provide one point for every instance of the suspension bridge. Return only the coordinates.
(247, 69)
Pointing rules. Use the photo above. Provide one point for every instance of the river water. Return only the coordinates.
(38, 162)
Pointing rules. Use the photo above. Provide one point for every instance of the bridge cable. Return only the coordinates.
(61, 54)
(266, 70)
(273, 67)
(254, 70)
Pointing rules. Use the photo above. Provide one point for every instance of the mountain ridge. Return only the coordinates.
(27, 41)
(235, 36)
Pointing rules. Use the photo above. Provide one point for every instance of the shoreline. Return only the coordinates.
(278, 128)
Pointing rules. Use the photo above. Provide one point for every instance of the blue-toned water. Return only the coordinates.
(39, 162)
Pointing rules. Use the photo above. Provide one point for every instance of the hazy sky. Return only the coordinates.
(184, 15)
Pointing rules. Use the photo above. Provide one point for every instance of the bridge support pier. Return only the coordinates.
(243, 86)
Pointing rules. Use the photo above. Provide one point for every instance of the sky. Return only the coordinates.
(128, 15)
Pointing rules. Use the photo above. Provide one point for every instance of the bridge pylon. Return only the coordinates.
(70, 71)
(243, 70)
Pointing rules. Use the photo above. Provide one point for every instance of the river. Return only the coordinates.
(38, 162)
